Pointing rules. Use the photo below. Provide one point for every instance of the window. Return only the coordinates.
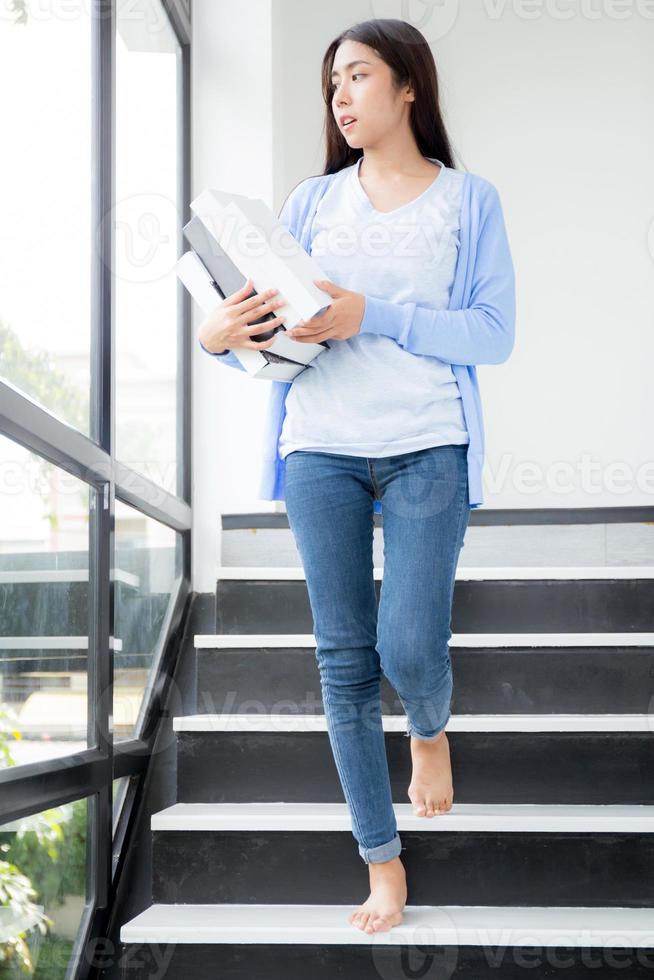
(94, 452)
(147, 214)
(43, 868)
(45, 210)
(44, 598)
(147, 562)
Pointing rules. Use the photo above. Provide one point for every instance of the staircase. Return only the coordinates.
(544, 867)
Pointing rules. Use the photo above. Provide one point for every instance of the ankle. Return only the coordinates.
(381, 867)
(441, 736)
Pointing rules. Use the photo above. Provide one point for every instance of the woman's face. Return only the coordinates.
(365, 91)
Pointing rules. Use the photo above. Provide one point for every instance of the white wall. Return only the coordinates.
(232, 139)
(550, 103)
(556, 113)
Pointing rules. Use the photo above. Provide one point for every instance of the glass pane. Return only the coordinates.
(45, 201)
(147, 563)
(44, 610)
(146, 226)
(119, 792)
(43, 884)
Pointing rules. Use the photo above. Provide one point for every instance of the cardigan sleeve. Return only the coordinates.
(484, 332)
(226, 357)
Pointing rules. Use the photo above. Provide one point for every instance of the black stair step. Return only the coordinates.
(289, 758)
(305, 853)
(614, 601)
(517, 678)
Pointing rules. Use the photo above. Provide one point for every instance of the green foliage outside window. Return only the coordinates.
(42, 862)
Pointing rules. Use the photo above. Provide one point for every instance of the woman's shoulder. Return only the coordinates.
(298, 195)
(480, 195)
(483, 188)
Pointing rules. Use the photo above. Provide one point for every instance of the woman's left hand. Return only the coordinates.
(340, 320)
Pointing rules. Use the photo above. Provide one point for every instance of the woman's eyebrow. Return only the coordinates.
(352, 64)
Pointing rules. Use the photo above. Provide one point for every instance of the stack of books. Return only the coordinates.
(234, 238)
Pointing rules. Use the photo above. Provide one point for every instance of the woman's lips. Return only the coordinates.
(348, 125)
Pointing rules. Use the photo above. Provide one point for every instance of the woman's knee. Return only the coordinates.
(418, 670)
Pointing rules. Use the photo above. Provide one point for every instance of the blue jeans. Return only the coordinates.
(329, 503)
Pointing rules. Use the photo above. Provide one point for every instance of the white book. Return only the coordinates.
(264, 251)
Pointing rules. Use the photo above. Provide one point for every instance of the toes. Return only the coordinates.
(434, 807)
(385, 923)
(355, 918)
(372, 922)
(429, 808)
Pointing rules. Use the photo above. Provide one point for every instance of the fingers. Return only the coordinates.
(240, 294)
(246, 302)
(255, 312)
(254, 307)
(257, 345)
(309, 328)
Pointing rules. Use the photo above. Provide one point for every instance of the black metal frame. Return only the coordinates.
(90, 773)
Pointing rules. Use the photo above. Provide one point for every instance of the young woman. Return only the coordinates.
(420, 274)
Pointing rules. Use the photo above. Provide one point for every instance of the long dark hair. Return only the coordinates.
(408, 55)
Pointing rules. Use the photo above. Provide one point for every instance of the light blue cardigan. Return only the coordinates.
(478, 327)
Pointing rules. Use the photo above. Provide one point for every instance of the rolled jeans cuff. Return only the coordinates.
(383, 852)
(411, 731)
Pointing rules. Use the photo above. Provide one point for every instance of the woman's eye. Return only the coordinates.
(356, 75)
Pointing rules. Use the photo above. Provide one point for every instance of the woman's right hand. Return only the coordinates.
(228, 326)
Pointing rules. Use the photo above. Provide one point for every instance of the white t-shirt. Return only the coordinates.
(367, 396)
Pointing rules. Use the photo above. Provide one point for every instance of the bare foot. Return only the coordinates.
(388, 893)
(431, 790)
